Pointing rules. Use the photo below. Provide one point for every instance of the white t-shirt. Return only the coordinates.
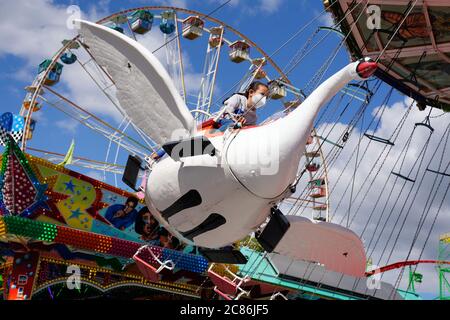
(239, 102)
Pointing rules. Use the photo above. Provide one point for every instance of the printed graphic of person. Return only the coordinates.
(146, 225)
(166, 240)
(122, 216)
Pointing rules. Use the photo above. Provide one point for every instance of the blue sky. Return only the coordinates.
(33, 31)
(267, 23)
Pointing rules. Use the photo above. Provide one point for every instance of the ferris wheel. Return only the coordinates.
(172, 34)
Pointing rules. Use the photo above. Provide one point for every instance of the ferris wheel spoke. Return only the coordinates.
(316, 191)
(131, 29)
(110, 143)
(55, 157)
(91, 121)
(93, 58)
(108, 84)
(154, 146)
(293, 199)
(180, 59)
(210, 68)
(174, 58)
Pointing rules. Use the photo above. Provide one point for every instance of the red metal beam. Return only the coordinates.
(402, 264)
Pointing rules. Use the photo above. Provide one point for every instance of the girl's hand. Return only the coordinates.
(242, 120)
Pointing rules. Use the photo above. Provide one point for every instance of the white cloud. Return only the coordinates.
(37, 33)
(82, 90)
(193, 81)
(38, 28)
(172, 3)
(389, 121)
(270, 6)
(326, 20)
(266, 7)
(393, 210)
(94, 174)
(67, 126)
(40, 118)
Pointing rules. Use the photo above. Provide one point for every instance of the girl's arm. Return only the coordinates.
(230, 106)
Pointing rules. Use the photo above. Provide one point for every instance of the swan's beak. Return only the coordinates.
(366, 68)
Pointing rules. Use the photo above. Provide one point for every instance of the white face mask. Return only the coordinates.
(258, 100)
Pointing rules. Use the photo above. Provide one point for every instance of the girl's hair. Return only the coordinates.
(253, 86)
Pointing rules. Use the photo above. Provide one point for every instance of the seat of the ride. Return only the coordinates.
(223, 283)
(227, 288)
(222, 294)
(147, 270)
(149, 263)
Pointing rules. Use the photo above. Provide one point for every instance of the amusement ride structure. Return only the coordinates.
(172, 216)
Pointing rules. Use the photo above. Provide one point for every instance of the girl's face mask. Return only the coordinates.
(258, 100)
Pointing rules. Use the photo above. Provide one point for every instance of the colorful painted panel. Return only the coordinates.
(51, 193)
(11, 124)
(96, 243)
(87, 204)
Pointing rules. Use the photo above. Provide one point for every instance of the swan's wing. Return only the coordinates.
(145, 90)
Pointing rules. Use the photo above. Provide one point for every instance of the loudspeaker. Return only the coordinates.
(131, 172)
(274, 230)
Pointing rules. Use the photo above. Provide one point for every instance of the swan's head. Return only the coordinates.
(365, 68)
